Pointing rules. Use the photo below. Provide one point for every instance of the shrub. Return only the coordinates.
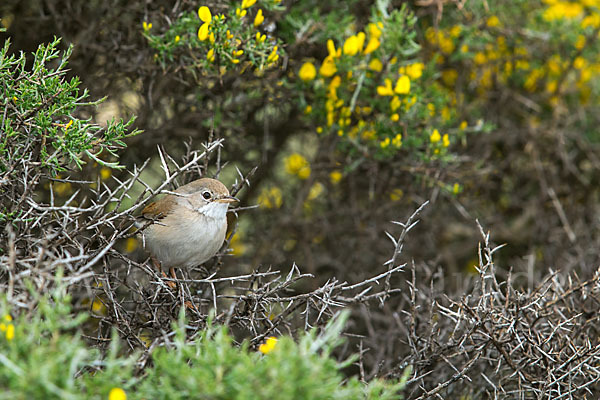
(47, 358)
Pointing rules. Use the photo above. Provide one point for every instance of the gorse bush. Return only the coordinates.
(43, 132)
(212, 45)
(372, 92)
(47, 358)
(39, 125)
(75, 239)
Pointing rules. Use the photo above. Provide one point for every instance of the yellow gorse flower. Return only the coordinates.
(210, 56)
(375, 65)
(493, 21)
(328, 67)
(396, 195)
(204, 14)
(307, 72)
(131, 245)
(203, 31)
(10, 332)
(105, 173)
(117, 394)
(147, 26)
(259, 37)
(386, 90)
(402, 85)
(259, 18)
(435, 136)
(335, 177)
(332, 50)
(353, 44)
(297, 165)
(273, 57)
(7, 327)
(445, 140)
(372, 45)
(268, 346)
(315, 191)
(375, 29)
(395, 104)
(248, 3)
(270, 198)
(238, 248)
(414, 71)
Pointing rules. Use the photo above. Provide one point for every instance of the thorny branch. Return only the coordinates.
(83, 238)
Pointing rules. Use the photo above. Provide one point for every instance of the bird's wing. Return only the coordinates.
(158, 209)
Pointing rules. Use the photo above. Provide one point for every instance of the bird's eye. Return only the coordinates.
(206, 194)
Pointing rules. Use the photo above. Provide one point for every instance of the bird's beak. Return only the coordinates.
(228, 199)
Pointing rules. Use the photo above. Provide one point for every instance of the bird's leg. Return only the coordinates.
(174, 277)
(158, 266)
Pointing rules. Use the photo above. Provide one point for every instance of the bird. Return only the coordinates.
(188, 227)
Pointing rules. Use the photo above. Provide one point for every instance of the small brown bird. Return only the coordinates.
(189, 227)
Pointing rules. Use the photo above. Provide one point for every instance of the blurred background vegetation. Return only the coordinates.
(355, 113)
(509, 87)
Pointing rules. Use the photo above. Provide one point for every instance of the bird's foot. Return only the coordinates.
(158, 266)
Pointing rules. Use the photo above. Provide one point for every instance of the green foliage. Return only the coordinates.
(40, 123)
(46, 357)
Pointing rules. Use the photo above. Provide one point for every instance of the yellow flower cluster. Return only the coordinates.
(270, 198)
(268, 346)
(435, 138)
(443, 39)
(297, 165)
(352, 46)
(562, 9)
(498, 62)
(7, 327)
(238, 248)
(208, 30)
(273, 56)
(206, 17)
(402, 85)
(396, 142)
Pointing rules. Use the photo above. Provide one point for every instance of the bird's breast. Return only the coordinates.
(185, 239)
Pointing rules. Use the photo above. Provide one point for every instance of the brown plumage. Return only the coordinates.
(190, 227)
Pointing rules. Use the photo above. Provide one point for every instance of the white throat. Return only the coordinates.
(214, 210)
